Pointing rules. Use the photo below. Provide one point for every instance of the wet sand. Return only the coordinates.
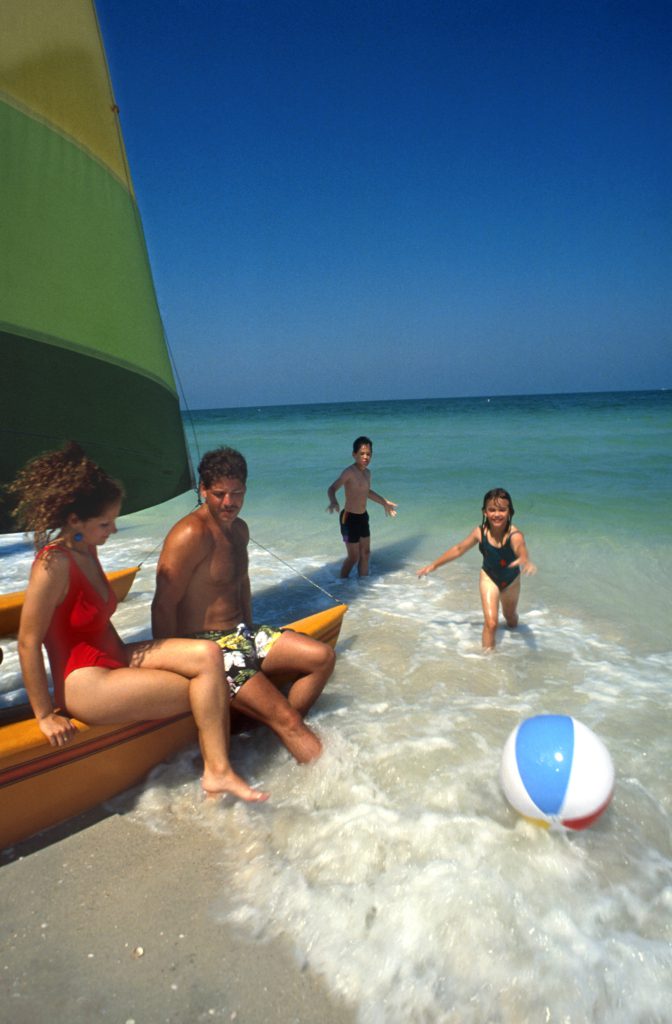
(117, 923)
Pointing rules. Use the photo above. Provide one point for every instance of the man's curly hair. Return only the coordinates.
(220, 463)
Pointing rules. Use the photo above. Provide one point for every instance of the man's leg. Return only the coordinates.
(260, 699)
(305, 661)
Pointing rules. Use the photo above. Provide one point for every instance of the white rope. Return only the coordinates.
(297, 572)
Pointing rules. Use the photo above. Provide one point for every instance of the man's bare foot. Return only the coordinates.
(215, 785)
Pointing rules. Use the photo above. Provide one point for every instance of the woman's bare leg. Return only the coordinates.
(166, 678)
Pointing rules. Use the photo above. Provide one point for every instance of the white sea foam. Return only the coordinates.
(394, 866)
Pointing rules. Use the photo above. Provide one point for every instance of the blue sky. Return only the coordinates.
(385, 199)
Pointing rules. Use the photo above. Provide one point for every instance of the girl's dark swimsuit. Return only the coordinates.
(496, 561)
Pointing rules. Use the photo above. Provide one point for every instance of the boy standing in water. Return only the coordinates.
(354, 519)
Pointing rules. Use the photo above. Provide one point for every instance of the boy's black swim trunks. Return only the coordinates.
(354, 526)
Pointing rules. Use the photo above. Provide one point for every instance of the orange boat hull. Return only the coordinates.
(11, 604)
(41, 785)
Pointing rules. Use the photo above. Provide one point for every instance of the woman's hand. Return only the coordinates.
(58, 729)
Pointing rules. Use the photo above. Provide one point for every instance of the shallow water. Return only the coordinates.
(394, 865)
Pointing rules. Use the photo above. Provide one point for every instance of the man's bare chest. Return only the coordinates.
(226, 565)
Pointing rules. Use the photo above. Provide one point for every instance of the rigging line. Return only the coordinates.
(298, 573)
(187, 410)
(160, 544)
(273, 555)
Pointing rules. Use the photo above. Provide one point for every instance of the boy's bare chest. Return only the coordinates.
(358, 483)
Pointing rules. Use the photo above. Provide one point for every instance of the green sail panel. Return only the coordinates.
(82, 346)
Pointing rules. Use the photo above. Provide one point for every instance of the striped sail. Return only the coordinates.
(82, 347)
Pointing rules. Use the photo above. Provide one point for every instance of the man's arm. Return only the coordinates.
(183, 550)
(245, 585)
(246, 599)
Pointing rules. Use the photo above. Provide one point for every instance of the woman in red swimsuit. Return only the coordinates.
(97, 677)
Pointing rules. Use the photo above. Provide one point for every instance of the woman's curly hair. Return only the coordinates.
(52, 486)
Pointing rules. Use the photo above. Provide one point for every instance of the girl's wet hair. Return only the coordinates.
(58, 484)
(498, 494)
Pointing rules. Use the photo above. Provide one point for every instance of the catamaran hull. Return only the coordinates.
(41, 786)
(11, 604)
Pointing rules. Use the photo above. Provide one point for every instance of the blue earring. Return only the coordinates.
(78, 536)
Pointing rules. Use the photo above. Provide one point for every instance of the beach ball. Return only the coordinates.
(556, 772)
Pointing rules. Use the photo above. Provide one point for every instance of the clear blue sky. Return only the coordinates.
(402, 199)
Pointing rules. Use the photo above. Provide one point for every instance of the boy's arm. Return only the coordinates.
(182, 552)
(389, 506)
(333, 505)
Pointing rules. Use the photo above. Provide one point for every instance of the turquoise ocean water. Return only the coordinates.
(394, 866)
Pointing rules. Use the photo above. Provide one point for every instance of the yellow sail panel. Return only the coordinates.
(51, 67)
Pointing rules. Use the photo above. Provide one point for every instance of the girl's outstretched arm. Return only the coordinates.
(522, 558)
(455, 552)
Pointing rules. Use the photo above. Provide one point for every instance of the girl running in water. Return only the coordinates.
(504, 558)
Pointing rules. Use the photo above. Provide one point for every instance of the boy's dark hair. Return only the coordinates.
(219, 463)
(359, 441)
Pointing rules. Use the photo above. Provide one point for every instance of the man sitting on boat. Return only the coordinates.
(203, 590)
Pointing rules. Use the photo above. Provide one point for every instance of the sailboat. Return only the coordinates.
(83, 347)
(84, 357)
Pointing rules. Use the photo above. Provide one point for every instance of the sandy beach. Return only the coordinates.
(112, 922)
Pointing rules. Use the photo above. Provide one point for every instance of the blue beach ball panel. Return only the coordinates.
(544, 755)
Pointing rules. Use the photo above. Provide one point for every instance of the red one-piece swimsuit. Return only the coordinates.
(80, 634)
